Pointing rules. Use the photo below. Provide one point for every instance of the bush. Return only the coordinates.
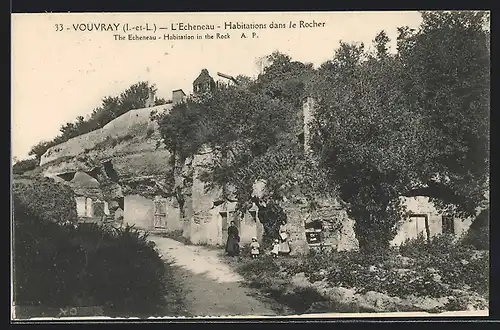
(126, 273)
(46, 264)
(478, 235)
(416, 268)
(264, 265)
(46, 199)
(86, 265)
(24, 165)
(458, 265)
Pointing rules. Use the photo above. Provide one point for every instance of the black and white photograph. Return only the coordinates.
(250, 165)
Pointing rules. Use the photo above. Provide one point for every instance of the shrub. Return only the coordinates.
(46, 199)
(382, 273)
(422, 269)
(478, 235)
(458, 264)
(24, 165)
(126, 273)
(46, 264)
(59, 265)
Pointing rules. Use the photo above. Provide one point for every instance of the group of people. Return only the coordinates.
(280, 245)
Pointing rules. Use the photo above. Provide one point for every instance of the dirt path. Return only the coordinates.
(210, 286)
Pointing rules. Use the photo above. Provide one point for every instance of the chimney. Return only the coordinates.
(178, 96)
(150, 102)
(307, 108)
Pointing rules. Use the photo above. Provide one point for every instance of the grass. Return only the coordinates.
(407, 277)
(404, 277)
(264, 275)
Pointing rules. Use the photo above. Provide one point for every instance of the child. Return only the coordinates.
(276, 248)
(255, 246)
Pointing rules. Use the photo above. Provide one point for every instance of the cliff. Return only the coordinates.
(123, 156)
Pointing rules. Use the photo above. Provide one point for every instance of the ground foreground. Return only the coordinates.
(210, 286)
(437, 278)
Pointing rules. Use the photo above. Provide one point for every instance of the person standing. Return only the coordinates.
(255, 248)
(276, 248)
(284, 245)
(233, 240)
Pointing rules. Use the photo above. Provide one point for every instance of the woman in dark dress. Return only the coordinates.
(233, 240)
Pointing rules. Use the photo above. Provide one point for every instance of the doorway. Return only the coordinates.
(419, 226)
(160, 213)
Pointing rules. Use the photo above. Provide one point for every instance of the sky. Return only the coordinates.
(59, 75)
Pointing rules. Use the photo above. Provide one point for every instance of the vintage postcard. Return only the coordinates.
(250, 165)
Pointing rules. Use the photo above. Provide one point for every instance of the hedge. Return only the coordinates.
(47, 199)
(24, 166)
(57, 264)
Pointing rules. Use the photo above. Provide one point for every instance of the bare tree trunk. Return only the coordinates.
(427, 230)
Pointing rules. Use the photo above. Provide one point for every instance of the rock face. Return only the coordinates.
(122, 158)
(336, 229)
(132, 173)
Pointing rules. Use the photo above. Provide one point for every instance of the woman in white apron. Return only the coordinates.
(284, 246)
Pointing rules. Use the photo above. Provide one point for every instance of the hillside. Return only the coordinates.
(134, 123)
(130, 141)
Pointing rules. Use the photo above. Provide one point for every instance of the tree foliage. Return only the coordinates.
(46, 199)
(250, 132)
(412, 123)
(135, 97)
(24, 165)
(366, 136)
(447, 75)
(385, 125)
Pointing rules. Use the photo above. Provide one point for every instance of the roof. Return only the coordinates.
(203, 77)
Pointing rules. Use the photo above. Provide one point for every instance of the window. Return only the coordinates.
(448, 224)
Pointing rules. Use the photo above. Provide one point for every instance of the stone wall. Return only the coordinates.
(338, 229)
(296, 215)
(139, 211)
(203, 222)
(81, 206)
(411, 226)
(174, 219)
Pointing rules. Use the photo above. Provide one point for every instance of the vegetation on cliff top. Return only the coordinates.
(135, 97)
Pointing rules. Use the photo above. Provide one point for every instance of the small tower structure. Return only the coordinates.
(204, 83)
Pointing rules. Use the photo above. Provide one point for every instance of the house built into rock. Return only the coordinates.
(122, 167)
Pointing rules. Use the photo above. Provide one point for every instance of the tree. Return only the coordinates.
(381, 40)
(250, 135)
(406, 125)
(447, 69)
(40, 148)
(284, 79)
(136, 96)
(24, 165)
(366, 138)
(160, 101)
